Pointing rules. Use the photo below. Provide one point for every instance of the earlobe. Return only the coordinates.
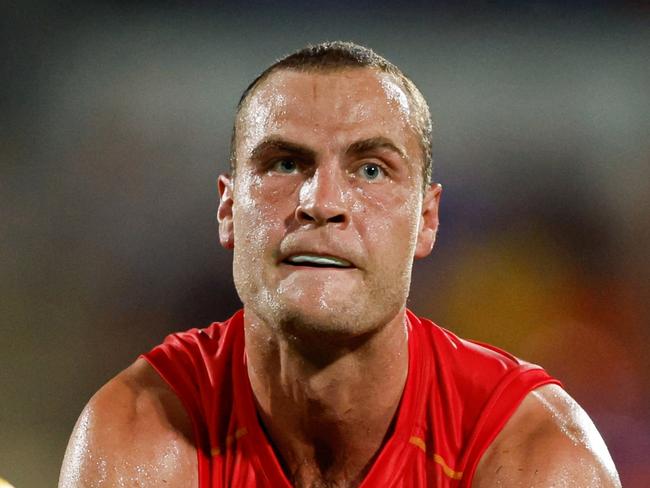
(224, 214)
(428, 221)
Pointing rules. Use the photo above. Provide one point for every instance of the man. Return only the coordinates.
(325, 379)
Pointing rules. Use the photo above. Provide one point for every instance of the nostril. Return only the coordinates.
(304, 216)
(320, 215)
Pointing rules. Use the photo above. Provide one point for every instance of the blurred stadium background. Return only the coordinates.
(115, 122)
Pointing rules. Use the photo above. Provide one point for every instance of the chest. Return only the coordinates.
(400, 465)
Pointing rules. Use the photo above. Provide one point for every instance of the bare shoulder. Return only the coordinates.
(133, 432)
(549, 441)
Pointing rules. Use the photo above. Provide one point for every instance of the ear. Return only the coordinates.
(224, 214)
(428, 221)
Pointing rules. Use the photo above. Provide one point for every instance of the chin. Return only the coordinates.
(323, 320)
(333, 321)
(320, 315)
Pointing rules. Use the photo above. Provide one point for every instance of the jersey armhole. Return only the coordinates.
(191, 410)
(502, 404)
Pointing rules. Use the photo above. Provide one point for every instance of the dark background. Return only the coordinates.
(115, 120)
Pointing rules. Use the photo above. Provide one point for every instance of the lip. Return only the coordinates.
(323, 255)
(328, 251)
(322, 242)
(315, 269)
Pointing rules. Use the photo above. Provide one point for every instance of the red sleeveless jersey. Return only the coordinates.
(458, 395)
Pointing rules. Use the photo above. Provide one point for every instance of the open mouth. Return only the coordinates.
(315, 261)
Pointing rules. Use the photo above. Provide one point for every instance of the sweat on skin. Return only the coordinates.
(328, 163)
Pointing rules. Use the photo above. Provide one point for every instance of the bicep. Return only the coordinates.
(549, 441)
(77, 469)
(124, 437)
(91, 458)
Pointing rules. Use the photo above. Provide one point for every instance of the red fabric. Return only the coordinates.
(458, 396)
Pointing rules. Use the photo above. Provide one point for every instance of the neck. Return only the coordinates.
(327, 412)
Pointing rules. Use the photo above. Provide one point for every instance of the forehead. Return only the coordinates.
(333, 106)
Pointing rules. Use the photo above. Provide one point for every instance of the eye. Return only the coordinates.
(285, 166)
(371, 171)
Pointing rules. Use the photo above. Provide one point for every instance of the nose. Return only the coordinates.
(322, 199)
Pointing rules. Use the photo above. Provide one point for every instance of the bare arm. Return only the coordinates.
(133, 432)
(549, 441)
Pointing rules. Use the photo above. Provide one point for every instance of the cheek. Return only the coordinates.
(259, 213)
(389, 221)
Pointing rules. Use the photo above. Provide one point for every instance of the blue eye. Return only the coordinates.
(286, 166)
(371, 171)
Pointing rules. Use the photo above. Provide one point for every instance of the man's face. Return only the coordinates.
(326, 211)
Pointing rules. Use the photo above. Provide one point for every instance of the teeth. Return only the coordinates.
(319, 260)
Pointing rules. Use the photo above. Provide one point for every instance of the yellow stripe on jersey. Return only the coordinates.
(419, 442)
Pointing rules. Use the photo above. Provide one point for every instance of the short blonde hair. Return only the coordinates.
(338, 55)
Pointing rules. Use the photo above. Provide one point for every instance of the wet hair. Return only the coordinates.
(338, 55)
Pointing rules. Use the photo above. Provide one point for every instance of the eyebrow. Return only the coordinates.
(362, 146)
(374, 143)
(278, 144)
